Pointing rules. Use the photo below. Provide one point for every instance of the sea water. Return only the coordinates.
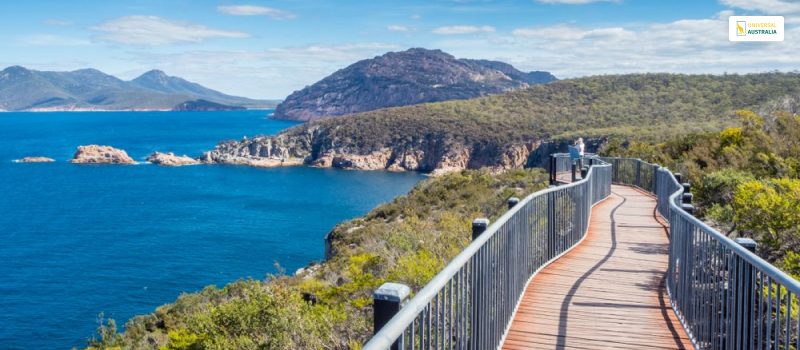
(78, 240)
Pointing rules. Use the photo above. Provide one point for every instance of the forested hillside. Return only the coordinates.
(507, 131)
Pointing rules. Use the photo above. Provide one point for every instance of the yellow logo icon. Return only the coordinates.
(740, 28)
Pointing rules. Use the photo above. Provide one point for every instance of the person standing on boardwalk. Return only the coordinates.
(581, 148)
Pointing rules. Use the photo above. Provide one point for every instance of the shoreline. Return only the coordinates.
(122, 110)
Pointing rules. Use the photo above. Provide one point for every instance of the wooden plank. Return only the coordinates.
(608, 292)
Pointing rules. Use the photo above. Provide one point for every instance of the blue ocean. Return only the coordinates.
(78, 240)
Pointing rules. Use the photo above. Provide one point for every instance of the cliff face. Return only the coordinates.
(403, 78)
(436, 155)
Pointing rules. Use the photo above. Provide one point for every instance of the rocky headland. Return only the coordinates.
(170, 159)
(96, 154)
(35, 160)
(315, 146)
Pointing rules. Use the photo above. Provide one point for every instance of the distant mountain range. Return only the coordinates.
(23, 89)
(404, 78)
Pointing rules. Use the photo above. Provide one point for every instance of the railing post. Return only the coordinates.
(749, 292)
(388, 299)
(512, 202)
(639, 174)
(551, 225)
(479, 226)
(656, 167)
(574, 171)
(553, 169)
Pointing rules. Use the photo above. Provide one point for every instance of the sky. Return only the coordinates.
(268, 49)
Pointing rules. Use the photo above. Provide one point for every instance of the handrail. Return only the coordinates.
(725, 296)
(470, 303)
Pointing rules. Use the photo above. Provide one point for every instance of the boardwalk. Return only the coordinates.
(607, 293)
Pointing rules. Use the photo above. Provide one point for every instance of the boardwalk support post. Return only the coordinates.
(388, 299)
(513, 201)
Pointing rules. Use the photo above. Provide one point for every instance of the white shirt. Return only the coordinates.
(580, 148)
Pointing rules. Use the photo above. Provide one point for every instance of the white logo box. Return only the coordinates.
(755, 28)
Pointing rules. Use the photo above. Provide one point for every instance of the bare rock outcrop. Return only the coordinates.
(262, 151)
(96, 154)
(170, 159)
(36, 160)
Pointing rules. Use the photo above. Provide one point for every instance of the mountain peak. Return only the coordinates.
(155, 72)
(16, 70)
(413, 76)
(153, 75)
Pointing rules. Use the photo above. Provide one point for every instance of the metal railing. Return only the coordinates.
(471, 302)
(561, 162)
(725, 296)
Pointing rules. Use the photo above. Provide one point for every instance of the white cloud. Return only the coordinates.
(152, 30)
(683, 46)
(252, 10)
(772, 7)
(57, 22)
(398, 28)
(269, 73)
(566, 32)
(454, 30)
(52, 40)
(573, 2)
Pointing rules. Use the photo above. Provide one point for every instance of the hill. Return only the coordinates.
(404, 78)
(23, 89)
(520, 128)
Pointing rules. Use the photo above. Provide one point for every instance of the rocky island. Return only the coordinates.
(96, 154)
(35, 160)
(205, 106)
(170, 159)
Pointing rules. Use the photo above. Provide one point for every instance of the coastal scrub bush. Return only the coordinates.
(746, 179)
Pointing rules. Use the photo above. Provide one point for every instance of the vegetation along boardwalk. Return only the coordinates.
(608, 292)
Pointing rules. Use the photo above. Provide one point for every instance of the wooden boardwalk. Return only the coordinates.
(608, 292)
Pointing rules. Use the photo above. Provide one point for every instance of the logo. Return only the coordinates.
(740, 28)
(755, 28)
